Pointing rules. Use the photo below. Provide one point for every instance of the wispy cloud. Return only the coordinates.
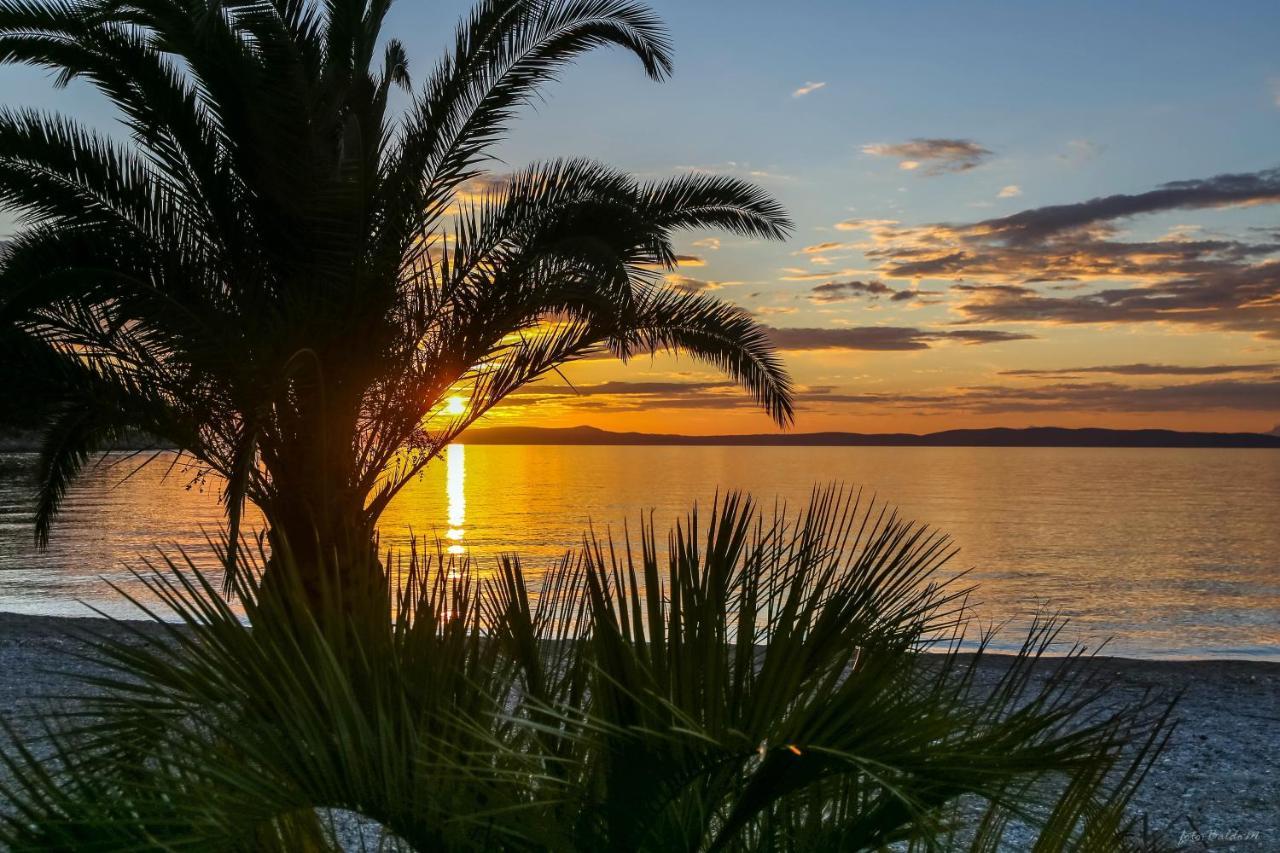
(823, 247)
(1149, 370)
(799, 274)
(843, 291)
(479, 190)
(864, 224)
(623, 388)
(882, 338)
(696, 285)
(808, 88)
(1011, 191)
(935, 156)
(1080, 150)
(1105, 397)
(708, 243)
(733, 167)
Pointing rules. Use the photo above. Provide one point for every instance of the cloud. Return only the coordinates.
(883, 338)
(807, 88)
(918, 297)
(1245, 300)
(695, 285)
(820, 248)
(1219, 191)
(737, 169)
(1103, 397)
(1080, 150)
(843, 291)
(937, 156)
(1150, 370)
(642, 395)
(690, 261)
(1001, 268)
(1011, 191)
(478, 190)
(864, 224)
(767, 175)
(799, 274)
(623, 388)
(773, 310)
(709, 243)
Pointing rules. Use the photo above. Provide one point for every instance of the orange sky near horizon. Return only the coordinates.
(741, 420)
(951, 386)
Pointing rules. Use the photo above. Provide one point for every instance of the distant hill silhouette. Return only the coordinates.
(998, 437)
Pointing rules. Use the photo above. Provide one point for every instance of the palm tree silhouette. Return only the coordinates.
(286, 280)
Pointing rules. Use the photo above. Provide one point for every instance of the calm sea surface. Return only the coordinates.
(1170, 553)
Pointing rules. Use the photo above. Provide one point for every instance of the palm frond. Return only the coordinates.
(716, 201)
(675, 321)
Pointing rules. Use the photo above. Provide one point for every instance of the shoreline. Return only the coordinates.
(995, 651)
(1216, 787)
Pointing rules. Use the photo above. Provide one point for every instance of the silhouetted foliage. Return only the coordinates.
(763, 685)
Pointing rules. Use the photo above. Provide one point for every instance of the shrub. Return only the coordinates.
(784, 682)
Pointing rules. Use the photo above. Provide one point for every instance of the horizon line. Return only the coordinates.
(1046, 436)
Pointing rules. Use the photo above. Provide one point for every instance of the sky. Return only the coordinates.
(1007, 214)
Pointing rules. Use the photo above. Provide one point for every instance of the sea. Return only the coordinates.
(1148, 553)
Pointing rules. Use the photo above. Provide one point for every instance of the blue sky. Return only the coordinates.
(1062, 103)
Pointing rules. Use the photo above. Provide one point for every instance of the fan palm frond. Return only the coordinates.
(794, 681)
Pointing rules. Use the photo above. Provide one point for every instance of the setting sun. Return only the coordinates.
(455, 406)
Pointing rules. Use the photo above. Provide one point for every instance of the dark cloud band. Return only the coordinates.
(884, 338)
(1150, 370)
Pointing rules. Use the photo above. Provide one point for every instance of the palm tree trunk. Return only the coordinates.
(324, 553)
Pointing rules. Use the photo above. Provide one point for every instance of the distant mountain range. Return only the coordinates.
(1000, 437)
(17, 439)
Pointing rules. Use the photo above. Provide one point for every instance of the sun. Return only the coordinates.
(455, 406)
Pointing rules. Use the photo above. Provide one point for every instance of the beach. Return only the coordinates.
(1216, 787)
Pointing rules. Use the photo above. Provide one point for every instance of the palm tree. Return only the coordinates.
(285, 279)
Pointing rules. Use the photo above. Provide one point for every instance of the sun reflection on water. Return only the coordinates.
(456, 491)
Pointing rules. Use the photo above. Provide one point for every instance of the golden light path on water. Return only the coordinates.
(456, 488)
